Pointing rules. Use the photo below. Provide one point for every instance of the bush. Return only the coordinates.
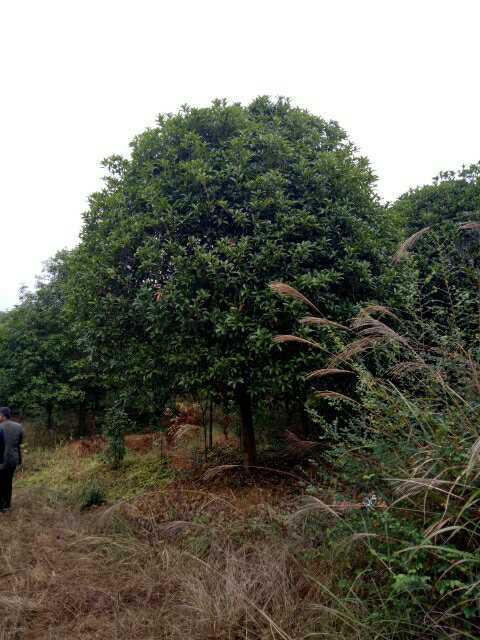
(92, 495)
(116, 425)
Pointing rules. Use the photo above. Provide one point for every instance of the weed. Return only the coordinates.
(92, 495)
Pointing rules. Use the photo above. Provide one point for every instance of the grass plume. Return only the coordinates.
(290, 292)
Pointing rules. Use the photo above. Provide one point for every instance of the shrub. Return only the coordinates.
(116, 425)
(92, 495)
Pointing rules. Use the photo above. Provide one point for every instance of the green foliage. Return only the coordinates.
(115, 428)
(413, 438)
(37, 349)
(438, 281)
(168, 294)
(92, 495)
(64, 476)
(415, 557)
(454, 196)
(420, 429)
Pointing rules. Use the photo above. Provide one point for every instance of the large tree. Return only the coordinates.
(179, 248)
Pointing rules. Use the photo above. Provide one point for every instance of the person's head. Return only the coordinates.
(5, 413)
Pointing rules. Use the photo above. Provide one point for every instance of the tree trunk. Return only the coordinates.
(96, 406)
(49, 409)
(203, 409)
(82, 419)
(205, 433)
(210, 425)
(248, 435)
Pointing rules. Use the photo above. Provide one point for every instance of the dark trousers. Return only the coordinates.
(6, 479)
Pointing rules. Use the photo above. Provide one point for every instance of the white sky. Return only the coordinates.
(79, 78)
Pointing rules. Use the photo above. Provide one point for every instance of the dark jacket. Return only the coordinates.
(12, 441)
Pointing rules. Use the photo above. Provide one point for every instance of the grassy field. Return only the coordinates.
(69, 478)
(157, 554)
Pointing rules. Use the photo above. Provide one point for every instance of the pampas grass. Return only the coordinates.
(356, 348)
(381, 309)
(402, 369)
(321, 373)
(334, 395)
(322, 322)
(290, 292)
(404, 249)
(469, 226)
(290, 338)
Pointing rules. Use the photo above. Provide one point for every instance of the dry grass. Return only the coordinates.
(65, 582)
(402, 369)
(298, 446)
(290, 292)
(404, 249)
(179, 562)
(321, 373)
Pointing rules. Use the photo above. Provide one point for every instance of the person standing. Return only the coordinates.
(12, 433)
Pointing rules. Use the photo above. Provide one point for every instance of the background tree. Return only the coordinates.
(36, 348)
(443, 254)
(454, 196)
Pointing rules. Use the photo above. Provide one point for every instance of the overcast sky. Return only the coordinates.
(79, 78)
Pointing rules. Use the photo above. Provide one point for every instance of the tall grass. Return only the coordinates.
(416, 419)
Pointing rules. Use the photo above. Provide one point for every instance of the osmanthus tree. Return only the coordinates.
(442, 251)
(171, 278)
(38, 356)
(110, 298)
(454, 196)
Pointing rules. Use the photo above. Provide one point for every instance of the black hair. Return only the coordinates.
(5, 412)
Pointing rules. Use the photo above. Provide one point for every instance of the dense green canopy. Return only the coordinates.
(179, 248)
(36, 349)
(454, 196)
(445, 254)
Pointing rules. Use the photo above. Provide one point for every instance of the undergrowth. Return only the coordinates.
(413, 442)
(183, 560)
(66, 477)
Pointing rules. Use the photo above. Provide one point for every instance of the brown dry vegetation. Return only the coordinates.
(182, 561)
